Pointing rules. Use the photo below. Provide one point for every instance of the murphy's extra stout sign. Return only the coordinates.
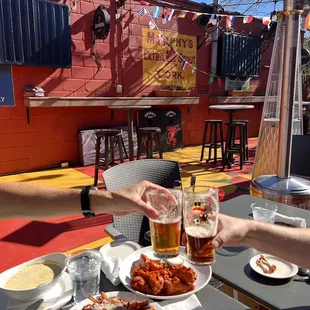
(6, 87)
(101, 24)
(160, 65)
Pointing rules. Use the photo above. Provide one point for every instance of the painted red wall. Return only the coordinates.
(51, 136)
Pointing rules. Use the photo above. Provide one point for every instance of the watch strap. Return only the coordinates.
(85, 202)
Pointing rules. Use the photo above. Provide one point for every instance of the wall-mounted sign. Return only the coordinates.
(305, 56)
(6, 87)
(161, 66)
(101, 24)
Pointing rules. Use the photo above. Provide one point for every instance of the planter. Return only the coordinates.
(171, 93)
(240, 93)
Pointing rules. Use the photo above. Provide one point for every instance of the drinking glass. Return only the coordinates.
(264, 212)
(201, 209)
(166, 229)
(84, 270)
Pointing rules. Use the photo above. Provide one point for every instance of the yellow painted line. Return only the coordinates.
(92, 245)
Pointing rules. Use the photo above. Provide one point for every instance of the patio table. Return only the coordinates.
(130, 124)
(232, 264)
(231, 108)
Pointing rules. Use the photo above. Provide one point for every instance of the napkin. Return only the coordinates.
(293, 221)
(189, 303)
(110, 267)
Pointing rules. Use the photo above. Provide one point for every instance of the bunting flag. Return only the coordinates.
(182, 14)
(266, 21)
(219, 82)
(184, 64)
(194, 69)
(152, 24)
(142, 11)
(247, 19)
(211, 79)
(169, 14)
(169, 52)
(196, 15)
(212, 20)
(144, 3)
(229, 21)
(156, 11)
(307, 22)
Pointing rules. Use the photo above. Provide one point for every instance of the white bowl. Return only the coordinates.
(35, 293)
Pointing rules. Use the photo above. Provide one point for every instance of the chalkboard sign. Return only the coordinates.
(6, 89)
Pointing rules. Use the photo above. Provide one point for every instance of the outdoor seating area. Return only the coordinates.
(154, 155)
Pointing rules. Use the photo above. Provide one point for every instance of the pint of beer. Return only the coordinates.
(166, 230)
(201, 207)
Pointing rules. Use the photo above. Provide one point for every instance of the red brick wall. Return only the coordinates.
(51, 136)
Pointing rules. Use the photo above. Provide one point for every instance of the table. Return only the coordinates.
(130, 124)
(231, 108)
(232, 265)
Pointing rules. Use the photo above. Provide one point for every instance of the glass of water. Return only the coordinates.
(264, 212)
(84, 269)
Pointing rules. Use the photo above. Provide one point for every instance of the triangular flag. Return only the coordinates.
(169, 14)
(212, 20)
(247, 19)
(211, 79)
(266, 21)
(307, 22)
(142, 11)
(196, 15)
(144, 3)
(156, 11)
(194, 69)
(152, 24)
(182, 14)
(184, 64)
(219, 82)
(229, 21)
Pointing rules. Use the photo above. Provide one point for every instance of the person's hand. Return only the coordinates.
(133, 199)
(231, 231)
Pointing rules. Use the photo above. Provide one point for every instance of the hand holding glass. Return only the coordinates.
(166, 229)
(201, 209)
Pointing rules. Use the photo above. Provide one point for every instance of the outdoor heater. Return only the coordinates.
(282, 117)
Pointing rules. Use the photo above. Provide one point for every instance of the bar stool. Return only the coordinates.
(151, 133)
(111, 138)
(216, 126)
(230, 146)
(246, 137)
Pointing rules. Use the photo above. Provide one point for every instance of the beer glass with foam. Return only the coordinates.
(201, 208)
(166, 229)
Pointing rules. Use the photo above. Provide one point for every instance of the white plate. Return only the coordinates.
(54, 299)
(203, 274)
(127, 295)
(284, 269)
(119, 248)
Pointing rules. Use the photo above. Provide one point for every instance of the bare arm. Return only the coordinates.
(29, 201)
(291, 244)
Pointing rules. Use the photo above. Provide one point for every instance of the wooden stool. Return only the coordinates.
(151, 133)
(231, 147)
(215, 125)
(111, 138)
(246, 137)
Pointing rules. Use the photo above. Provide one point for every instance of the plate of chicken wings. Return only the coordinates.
(160, 279)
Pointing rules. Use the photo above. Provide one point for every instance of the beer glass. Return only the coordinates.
(166, 229)
(201, 209)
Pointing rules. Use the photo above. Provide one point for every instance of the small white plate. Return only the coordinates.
(284, 269)
(119, 248)
(54, 299)
(127, 295)
(203, 274)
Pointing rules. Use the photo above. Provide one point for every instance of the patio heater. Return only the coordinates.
(282, 117)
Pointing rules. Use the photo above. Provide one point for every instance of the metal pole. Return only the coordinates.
(287, 91)
(214, 44)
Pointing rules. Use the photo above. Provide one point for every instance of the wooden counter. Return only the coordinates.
(236, 100)
(43, 102)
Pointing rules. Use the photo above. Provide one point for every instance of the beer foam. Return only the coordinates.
(167, 220)
(202, 231)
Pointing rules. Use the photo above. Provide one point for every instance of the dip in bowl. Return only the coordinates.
(31, 280)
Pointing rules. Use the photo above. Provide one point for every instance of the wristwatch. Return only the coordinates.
(85, 203)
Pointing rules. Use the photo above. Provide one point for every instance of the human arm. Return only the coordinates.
(291, 244)
(30, 201)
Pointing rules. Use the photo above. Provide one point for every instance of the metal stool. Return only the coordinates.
(151, 133)
(111, 138)
(214, 144)
(230, 146)
(246, 137)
